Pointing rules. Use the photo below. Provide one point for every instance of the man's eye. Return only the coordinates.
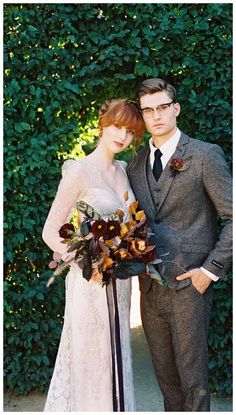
(148, 110)
(162, 107)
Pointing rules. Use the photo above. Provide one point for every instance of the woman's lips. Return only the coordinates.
(119, 144)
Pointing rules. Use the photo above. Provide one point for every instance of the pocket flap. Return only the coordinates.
(195, 248)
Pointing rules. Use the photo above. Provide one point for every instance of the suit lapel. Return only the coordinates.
(166, 178)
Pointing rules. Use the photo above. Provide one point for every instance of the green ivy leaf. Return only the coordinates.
(21, 126)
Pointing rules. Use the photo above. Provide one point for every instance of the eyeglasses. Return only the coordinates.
(148, 112)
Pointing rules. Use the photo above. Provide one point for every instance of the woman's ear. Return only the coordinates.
(100, 133)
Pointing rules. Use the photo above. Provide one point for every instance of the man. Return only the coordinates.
(182, 184)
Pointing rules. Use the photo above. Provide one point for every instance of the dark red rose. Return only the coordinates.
(177, 164)
(148, 257)
(99, 228)
(66, 231)
(113, 229)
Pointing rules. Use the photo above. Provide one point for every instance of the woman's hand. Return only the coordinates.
(96, 275)
(68, 256)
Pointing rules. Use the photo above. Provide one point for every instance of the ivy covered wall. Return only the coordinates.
(61, 61)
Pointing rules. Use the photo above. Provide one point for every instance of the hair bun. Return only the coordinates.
(130, 101)
(104, 108)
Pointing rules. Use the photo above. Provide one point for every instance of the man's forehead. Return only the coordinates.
(157, 98)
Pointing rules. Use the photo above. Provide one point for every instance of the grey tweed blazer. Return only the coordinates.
(182, 209)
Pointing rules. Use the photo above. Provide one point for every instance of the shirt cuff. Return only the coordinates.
(209, 274)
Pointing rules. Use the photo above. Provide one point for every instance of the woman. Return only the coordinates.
(86, 372)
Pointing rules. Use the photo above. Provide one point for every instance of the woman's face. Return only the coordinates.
(116, 138)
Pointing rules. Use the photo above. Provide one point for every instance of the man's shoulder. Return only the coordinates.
(198, 144)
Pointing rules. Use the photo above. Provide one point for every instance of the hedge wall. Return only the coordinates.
(61, 62)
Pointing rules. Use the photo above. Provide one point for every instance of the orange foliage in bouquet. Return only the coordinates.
(108, 244)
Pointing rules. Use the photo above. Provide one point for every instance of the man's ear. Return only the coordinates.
(177, 109)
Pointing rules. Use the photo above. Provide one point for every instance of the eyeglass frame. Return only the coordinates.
(153, 109)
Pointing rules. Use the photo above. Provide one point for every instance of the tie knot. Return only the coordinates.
(158, 154)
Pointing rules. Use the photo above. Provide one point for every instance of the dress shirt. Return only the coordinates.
(168, 149)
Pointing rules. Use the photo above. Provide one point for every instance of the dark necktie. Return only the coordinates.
(157, 166)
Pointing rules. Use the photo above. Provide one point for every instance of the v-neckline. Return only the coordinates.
(108, 186)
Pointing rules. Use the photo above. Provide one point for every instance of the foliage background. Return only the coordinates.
(61, 62)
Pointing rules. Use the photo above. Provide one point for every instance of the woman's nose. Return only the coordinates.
(123, 133)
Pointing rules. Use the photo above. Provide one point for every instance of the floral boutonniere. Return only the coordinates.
(178, 164)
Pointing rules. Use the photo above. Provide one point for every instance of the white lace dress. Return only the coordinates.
(82, 378)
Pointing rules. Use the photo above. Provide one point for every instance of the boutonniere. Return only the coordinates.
(178, 164)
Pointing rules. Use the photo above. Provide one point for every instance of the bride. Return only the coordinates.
(87, 374)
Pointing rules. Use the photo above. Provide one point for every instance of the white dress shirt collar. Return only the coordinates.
(167, 149)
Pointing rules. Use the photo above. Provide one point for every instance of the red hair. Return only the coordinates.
(122, 113)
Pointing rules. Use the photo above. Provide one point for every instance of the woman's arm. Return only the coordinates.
(62, 206)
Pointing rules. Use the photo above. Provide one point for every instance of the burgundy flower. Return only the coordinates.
(99, 228)
(66, 231)
(113, 229)
(176, 164)
(148, 257)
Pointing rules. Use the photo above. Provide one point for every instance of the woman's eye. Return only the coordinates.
(130, 132)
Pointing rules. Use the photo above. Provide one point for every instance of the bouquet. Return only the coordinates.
(118, 247)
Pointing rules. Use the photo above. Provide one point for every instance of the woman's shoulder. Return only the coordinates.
(72, 166)
(122, 164)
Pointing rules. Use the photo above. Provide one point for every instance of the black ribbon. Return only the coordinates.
(117, 369)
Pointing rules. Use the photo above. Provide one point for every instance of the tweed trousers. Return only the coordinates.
(178, 344)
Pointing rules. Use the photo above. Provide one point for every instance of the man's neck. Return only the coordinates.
(158, 141)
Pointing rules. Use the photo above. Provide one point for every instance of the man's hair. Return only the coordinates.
(153, 85)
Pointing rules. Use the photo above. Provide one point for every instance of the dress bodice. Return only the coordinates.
(82, 180)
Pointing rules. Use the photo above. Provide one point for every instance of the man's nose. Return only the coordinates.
(156, 113)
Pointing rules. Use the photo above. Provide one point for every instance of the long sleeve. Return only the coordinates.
(63, 205)
(218, 184)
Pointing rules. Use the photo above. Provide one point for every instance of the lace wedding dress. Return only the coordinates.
(83, 378)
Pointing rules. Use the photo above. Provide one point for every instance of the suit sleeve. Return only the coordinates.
(218, 184)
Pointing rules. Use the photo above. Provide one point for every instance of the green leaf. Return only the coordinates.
(21, 126)
(71, 87)
(87, 210)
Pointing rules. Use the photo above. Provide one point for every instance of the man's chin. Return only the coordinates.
(159, 130)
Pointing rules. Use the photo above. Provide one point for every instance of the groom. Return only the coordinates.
(182, 184)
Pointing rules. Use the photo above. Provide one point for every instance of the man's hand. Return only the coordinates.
(199, 279)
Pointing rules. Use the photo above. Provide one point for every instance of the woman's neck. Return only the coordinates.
(102, 157)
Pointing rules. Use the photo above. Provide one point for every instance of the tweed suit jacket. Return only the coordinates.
(182, 209)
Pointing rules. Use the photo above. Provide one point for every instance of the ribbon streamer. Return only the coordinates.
(117, 370)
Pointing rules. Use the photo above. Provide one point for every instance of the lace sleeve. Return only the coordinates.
(62, 206)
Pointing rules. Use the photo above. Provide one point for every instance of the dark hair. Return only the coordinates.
(122, 113)
(153, 85)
